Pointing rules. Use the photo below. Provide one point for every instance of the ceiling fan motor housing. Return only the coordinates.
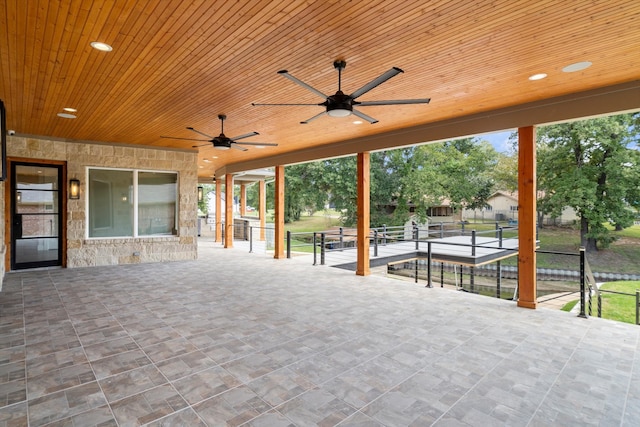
(339, 105)
(221, 142)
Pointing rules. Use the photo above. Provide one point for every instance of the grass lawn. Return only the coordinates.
(633, 232)
(322, 220)
(569, 306)
(619, 307)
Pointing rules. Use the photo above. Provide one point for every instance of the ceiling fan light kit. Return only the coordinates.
(340, 104)
(340, 112)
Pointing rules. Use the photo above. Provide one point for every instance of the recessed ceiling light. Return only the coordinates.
(259, 146)
(70, 110)
(538, 76)
(207, 161)
(357, 122)
(214, 157)
(67, 115)
(578, 66)
(201, 167)
(101, 46)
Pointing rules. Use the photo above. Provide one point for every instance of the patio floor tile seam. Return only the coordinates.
(292, 340)
(333, 346)
(558, 375)
(53, 283)
(442, 356)
(153, 363)
(382, 395)
(21, 383)
(110, 404)
(634, 376)
(311, 355)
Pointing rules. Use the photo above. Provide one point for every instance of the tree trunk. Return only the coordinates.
(590, 244)
(540, 219)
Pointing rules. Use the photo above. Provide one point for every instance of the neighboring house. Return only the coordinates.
(442, 213)
(503, 206)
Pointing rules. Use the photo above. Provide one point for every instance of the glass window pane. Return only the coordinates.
(37, 250)
(36, 178)
(39, 226)
(157, 202)
(110, 203)
(37, 201)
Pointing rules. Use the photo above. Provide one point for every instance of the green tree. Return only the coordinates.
(418, 177)
(388, 204)
(591, 166)
(386, 172)
(459, 171)
(505, 171)
(305, 190)
(339, 184)
(253, 196)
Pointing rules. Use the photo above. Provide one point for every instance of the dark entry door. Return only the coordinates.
(35, 215)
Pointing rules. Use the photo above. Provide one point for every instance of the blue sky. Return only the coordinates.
(499, 140)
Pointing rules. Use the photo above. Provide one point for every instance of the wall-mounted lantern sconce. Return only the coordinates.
(74, 189)
(19, 196)
(200, 193)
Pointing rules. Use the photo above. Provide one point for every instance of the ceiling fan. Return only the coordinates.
(222, 142)
(340, 104)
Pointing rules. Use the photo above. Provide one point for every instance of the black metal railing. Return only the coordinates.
(343, 241)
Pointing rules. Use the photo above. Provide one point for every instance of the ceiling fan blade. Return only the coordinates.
(186, 139)
(201, 133)
(283, 105)
(313, 118)
(259, 144)
(364, 116)
(395, 102)
(376, 82)
(201, 145)
(246, 135)
(235, 145)
(286, 74)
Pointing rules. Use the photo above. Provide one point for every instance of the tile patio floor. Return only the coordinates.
(241, 339)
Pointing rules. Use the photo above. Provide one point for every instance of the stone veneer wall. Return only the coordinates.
(83, 252)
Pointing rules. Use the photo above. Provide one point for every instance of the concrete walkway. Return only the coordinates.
(242, 339)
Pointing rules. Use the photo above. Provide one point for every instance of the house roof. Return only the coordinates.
(178, 64)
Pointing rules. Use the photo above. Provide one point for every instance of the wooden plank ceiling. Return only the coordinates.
(181, 63)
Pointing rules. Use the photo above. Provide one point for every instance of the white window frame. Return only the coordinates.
(134, 201)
